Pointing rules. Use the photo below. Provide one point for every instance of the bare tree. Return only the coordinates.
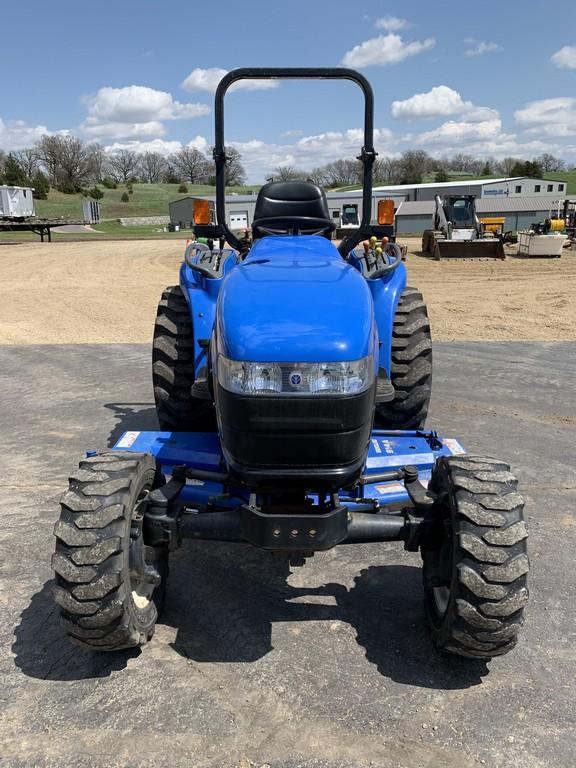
(97, 161)
(318, 176)
(387, 170)
(342, 173)
(28, 160)
(153, 166)
(414, 163)
(74, 161)
(124, 165)
(65, 158)
(288, 173)
(550, 163)
(190, 164)
(50, 153)
(235, 172)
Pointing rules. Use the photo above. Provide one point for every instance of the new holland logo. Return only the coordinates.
(295, 379)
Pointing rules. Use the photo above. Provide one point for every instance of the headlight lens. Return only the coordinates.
(247, 378)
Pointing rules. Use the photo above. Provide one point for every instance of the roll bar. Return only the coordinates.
(367, 155)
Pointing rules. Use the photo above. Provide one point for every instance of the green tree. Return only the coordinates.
(441, 176)
(182, 189)
(125, 198)
(13, 174)
(95, 193)
(486, 171)
(41, 185)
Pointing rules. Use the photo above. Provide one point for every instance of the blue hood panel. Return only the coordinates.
(294, 299)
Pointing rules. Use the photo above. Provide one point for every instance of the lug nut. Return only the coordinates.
(276, 532)
(312, 532)
(294, 532)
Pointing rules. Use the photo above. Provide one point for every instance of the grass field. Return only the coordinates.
(146, 200)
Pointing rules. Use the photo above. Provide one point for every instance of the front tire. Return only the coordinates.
(411, 373)
(173, 366)
(475, 572)
(109, 585)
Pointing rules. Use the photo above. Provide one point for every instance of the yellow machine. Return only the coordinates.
(493, 224)
(458, 233)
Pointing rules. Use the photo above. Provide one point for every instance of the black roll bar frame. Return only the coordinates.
(366, 157)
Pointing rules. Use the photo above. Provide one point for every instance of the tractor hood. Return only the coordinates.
(295, 299)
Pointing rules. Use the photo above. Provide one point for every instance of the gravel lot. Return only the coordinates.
(326, 666)
(106, 292)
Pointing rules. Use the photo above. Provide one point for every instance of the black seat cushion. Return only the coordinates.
(291, 198)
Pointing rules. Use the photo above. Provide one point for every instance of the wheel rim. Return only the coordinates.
(442, 588)
(144, 577)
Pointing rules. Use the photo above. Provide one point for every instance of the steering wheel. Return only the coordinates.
(202, 248)
(272, 225)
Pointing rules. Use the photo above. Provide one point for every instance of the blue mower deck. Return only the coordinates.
(388, 450)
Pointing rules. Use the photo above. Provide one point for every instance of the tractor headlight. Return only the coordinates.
(247, 378)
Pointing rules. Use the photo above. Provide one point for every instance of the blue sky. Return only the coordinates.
(492, 79)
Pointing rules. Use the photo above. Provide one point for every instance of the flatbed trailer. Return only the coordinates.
(41, 227)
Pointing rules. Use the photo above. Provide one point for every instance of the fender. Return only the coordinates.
(386, 292)
(202, 295)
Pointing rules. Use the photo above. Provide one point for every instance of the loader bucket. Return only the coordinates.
(469, 249)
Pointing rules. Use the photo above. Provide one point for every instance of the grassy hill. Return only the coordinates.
(146, 200)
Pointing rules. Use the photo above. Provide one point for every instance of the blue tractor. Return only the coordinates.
(292, 380)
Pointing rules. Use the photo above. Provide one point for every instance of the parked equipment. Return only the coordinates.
(296, 350)
(569, 216)
(458, 233)
(16, 203)
(544, 238)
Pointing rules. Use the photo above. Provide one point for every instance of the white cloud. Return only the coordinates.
(133, 112)
(549, 117)
(288, 134)
(260, 158)
(565, 57)
(139, 104)
(384, 50)
(155, 145)
(207, 80)
(391, 23)
(93, 129)
(482, 47)
(440, 101)
(457, 131)
(17, 134)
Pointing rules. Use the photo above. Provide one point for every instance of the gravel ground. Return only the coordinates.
(328, 666)
(107, 292)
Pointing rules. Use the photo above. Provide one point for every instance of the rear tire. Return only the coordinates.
(110, 586)
(475, 573)
(173, 367)
(411, 373)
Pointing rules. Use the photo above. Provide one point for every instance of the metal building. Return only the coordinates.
(519, 199)
(412, 218)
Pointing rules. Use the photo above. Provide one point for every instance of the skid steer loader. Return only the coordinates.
(458, 233)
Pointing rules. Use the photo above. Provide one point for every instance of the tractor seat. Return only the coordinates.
(288, 205)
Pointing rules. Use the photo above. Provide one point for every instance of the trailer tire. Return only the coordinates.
(109, 586)
(173, 368)
(475, 571)
(411, 373)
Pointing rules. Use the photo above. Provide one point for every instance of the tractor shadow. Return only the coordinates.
(224, 599)
(43, 651)
(130, 416)
(142, 417)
